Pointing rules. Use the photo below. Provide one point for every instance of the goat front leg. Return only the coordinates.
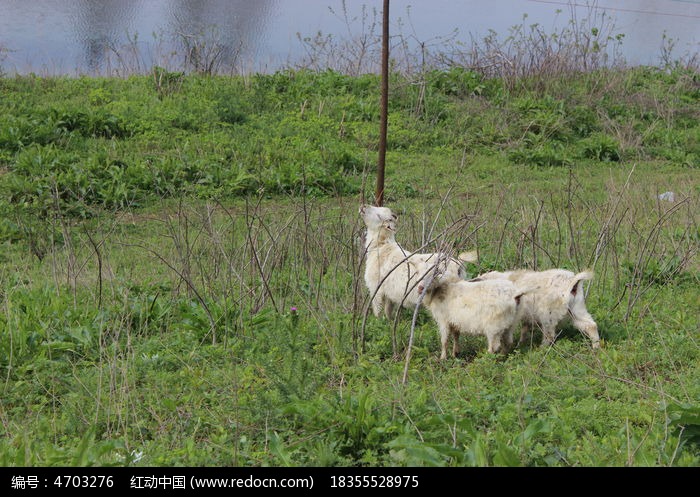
(444, 335)
(389, 309)
(507, 340)
(455, 341)
(495, 342)
(378, 304)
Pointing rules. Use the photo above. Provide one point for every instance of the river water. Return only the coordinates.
(54, 37)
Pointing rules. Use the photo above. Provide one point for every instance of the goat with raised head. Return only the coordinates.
(392, 274)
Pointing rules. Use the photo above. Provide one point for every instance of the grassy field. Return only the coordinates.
(181, 281)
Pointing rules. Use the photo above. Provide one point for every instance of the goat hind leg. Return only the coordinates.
(525, 334)
(548, 335)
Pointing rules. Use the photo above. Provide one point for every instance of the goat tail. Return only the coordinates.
(469, 256)
(583, 275)
(522, 291)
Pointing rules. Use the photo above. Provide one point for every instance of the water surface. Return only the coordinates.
(104, 36)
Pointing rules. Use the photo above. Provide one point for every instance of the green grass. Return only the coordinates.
(156, 236)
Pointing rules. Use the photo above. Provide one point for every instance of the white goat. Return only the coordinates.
(392, 273)
(488, 307)
(559, 296)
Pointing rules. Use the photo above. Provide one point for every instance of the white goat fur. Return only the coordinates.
(488, 307)
(559, 296)
(391, 271)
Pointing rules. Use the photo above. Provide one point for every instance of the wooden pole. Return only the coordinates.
(384, 107)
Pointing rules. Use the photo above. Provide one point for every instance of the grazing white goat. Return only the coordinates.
(488, 307)
(392, 274)
(559, 296)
